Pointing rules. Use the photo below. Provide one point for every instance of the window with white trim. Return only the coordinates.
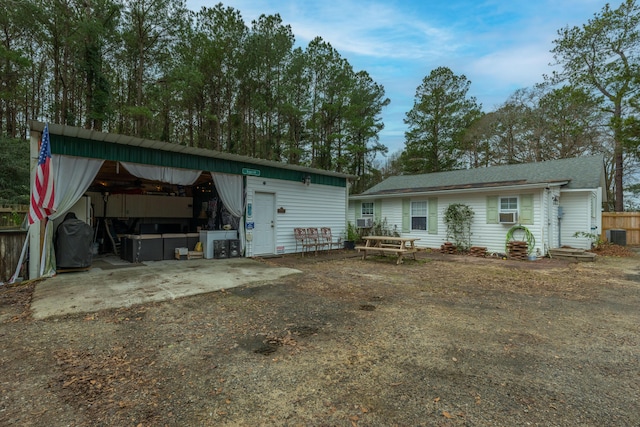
(419, 215)
(508, 210)
(508, 204)
(366, 210)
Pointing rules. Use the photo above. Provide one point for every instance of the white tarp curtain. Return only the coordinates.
(231, 191)
(72, 176)
(162, 173)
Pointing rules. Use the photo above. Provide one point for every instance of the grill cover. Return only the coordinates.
(73, 243)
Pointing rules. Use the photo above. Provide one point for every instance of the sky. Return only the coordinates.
(498, 45)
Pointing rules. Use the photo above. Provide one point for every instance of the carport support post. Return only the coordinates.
(35, 229)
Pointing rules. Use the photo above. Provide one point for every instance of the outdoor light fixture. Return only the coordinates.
(306, 180)
(555, 199)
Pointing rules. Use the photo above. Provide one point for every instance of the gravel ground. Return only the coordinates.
(444, 340)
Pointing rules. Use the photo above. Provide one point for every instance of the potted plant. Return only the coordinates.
(351, 236)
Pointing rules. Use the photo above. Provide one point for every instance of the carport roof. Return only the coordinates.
(124, 140)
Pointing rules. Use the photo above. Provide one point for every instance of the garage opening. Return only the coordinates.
(143, 219)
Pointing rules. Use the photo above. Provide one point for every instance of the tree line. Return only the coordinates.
(588, 105)
(154, 69)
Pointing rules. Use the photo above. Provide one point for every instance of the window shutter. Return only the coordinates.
(406, 215)
(432, 221)
(526, 209)
(377, 210)
(492, 210)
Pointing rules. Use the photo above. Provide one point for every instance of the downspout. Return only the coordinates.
(346, 204)
(546, 204)
(560, 215)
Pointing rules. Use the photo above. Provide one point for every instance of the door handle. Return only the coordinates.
(272, 225)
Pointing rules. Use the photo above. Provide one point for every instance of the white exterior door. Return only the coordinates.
(264, 223)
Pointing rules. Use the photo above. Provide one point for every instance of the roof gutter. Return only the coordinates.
(538, 185)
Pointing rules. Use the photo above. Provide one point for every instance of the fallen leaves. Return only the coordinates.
(448, 415)
(611, 249)
(199, 349)
(100, 381)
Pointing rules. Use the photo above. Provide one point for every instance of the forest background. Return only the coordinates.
(154, 69)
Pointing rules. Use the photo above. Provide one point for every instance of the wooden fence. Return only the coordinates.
(11, 242)
(629, 221)
(11, 216)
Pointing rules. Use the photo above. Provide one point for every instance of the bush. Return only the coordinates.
(458, 218)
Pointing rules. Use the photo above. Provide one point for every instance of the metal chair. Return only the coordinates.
(313, 239)
(327, 238)
(300, 235)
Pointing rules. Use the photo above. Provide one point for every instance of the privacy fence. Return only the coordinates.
(11, 242)
(628, 221)
(11, 239)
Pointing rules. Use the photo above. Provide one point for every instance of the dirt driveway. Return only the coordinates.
(441, 341)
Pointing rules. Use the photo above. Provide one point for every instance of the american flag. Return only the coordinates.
(42, 194)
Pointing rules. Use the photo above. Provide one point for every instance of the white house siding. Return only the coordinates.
(492, 236)
(392, 213)
(351, 214)
(579, 216)
(304, 206)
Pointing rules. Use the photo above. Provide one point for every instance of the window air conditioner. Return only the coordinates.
(508, 217)
(364, 223)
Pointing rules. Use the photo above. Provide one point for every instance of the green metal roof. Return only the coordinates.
(574, 173)
(80, 142)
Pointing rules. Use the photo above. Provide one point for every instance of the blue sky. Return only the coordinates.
(499, 45)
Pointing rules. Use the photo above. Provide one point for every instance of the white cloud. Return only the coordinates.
(523, 65)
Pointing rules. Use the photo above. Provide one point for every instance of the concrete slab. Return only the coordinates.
(114, 287)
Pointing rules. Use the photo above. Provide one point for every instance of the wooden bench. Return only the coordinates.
(391, 245)
(397, 251)
(379, 249)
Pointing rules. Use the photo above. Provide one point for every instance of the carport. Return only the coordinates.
(141, 184)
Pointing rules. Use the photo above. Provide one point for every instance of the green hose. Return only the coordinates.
(528, 237)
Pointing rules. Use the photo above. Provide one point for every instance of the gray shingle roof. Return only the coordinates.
(580, 172)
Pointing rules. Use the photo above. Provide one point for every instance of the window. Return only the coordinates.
(366, 210)
(418, 215)
(511, 210)
(508, 204)
(508, 212)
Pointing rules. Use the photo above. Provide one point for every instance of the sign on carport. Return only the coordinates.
(251, 172)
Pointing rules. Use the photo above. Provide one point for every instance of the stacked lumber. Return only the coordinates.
(572, 254)
(479, 251)
(517, 250)
(448, 248)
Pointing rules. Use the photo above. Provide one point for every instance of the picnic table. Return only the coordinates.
(388, 244)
